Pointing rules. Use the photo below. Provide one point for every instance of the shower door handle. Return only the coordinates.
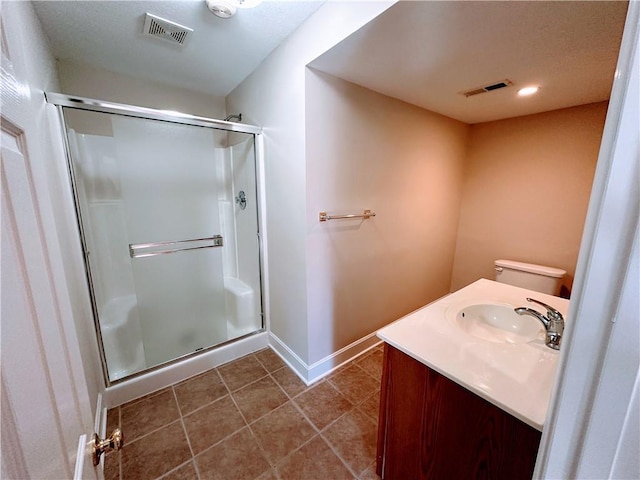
(140, 250)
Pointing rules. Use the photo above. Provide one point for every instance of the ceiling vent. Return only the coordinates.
(166, 30)
(487, 88)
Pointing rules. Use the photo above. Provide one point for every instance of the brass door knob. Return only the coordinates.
(98, 446)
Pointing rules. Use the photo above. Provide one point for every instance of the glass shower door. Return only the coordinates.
(153, 197)
(169, 186)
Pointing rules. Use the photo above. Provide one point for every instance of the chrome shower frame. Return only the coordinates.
(60, 101)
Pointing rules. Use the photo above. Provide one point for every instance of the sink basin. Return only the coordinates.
(496, 323)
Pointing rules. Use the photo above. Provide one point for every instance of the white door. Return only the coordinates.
(45, 411)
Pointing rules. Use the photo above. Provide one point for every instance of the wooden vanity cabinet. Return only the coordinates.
(432, 428)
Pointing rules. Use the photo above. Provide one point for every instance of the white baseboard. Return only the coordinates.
(312, 373)
(289, 357)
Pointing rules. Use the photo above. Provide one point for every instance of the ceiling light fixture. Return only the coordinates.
(228, 8)
(526, 91)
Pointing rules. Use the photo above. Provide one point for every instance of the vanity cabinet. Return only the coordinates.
(432, 428)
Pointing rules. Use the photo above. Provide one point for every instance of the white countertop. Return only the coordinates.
(517, 378)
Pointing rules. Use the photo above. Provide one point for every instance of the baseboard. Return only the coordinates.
(334, 361)
(289, 357)
(310, 374)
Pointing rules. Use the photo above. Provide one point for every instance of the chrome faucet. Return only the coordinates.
(553, 322)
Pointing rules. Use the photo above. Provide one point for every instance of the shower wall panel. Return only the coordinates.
(244, 179)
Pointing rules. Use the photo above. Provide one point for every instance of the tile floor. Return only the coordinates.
(253, 418)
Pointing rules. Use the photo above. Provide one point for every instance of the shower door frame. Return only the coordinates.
(60, 100)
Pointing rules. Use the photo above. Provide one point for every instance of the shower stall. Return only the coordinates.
(168, 213)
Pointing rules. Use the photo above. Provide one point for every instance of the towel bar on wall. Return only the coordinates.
(367, 214)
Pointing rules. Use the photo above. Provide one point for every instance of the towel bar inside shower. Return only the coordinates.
(140, 250)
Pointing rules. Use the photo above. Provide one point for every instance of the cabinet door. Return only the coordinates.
(432, 428)
(400, 423)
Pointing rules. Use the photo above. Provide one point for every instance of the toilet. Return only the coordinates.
(527, 275)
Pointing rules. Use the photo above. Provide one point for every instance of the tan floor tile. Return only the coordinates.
(289, 381)
(354, 437)
(354, 383)
(369, 473)
(144, 397)
(112, 466)
(371, 406)
(236, 458)
(269, 359)
(113, 419)
(314, 461)
(259, 398)
(200, 390)
(212, 423)
(185, 472)
(268, 475)
(155, 455)
(322, 404)
(282, 431)
(241, 372)
(226, 449)
(149, 414)
(372, 363)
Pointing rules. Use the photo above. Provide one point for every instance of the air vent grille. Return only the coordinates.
(163, 29)
(488, 88)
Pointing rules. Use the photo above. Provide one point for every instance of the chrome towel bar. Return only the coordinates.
(145, 247)
(367, 214)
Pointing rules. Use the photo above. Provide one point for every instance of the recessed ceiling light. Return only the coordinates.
(523, 92)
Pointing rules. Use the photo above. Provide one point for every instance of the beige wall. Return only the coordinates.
(274, 96)
(526, 189)
(366, 150)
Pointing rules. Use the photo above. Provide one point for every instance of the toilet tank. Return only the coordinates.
(528, 275)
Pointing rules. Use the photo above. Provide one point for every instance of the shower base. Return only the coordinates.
(149, 382)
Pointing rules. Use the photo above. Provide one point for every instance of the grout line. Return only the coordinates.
(292, 452)
(184, 427)
(259, 361)
(337, 454)
(175, 398)
(246, 385)
(322, 431)
(208, 404)
(306, 387)
(290, 398)
(151, 432)
(246, 423)
(165, 474)
(317, 434)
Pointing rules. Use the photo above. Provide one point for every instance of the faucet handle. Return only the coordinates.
(551, 312)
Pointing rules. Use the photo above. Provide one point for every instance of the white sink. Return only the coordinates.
(491, 351)
(495, 322)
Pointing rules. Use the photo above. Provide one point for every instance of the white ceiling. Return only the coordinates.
(421, 52)
(426, 53)
(216, 58)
